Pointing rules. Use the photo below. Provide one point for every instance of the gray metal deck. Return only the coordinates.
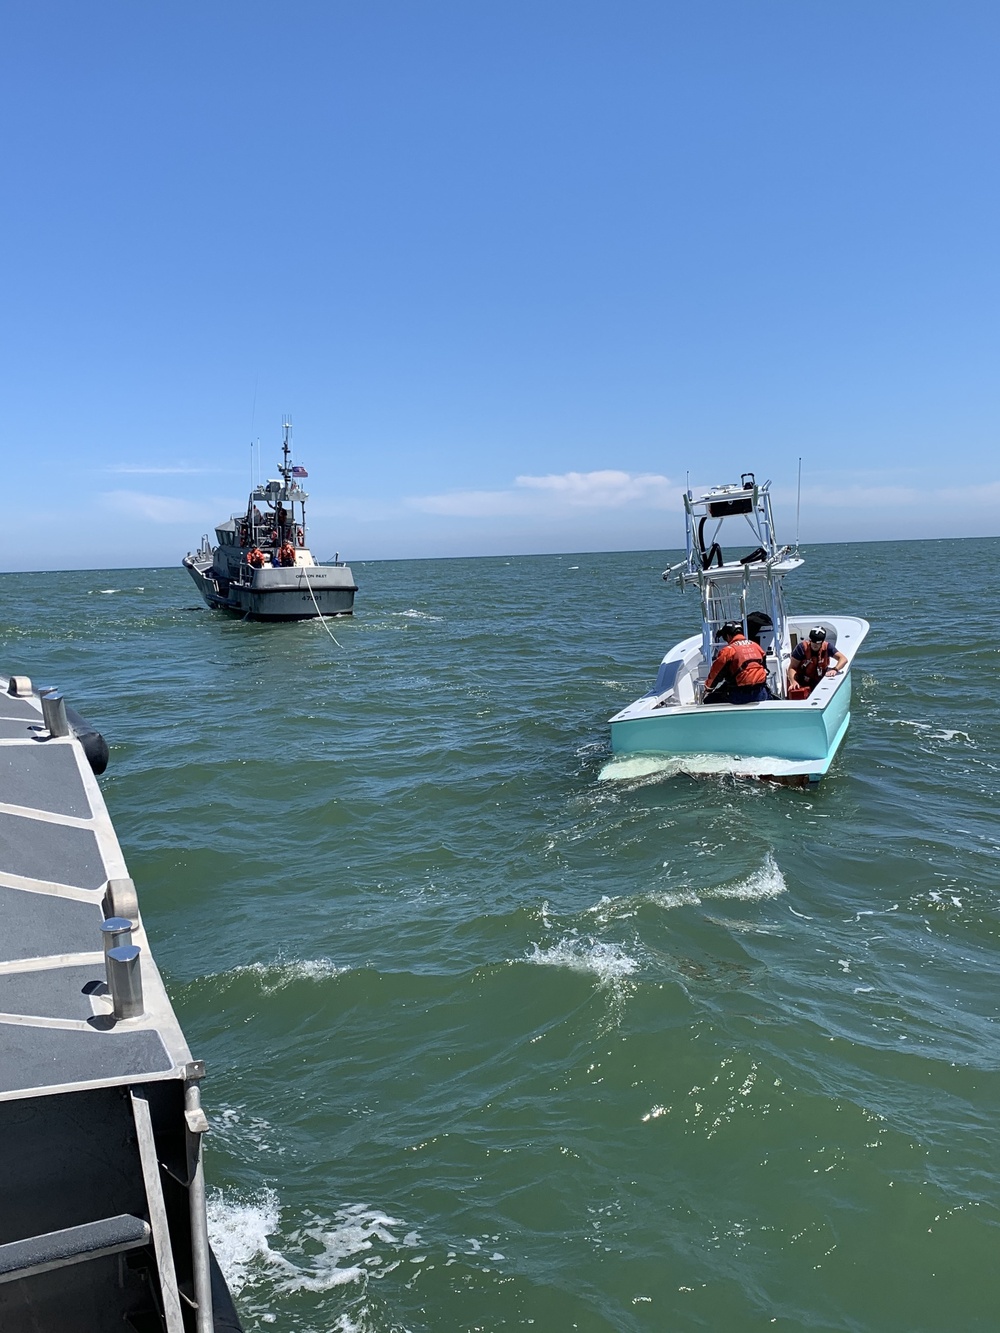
(101, 1186)
(58, 850)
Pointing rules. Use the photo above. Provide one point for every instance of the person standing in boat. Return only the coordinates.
(739, 673)
(811, 660)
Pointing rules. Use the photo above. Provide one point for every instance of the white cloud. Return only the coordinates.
(155, 508)
(470, 504)
(890, 498)
(975, 493)
(607, 489)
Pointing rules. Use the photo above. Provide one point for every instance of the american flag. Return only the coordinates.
(299, 472)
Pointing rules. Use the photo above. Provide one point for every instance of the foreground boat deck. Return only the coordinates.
(102, 1218)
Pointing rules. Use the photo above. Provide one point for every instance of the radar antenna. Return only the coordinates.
(286, 468)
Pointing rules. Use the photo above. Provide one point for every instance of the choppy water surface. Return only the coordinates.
(494, 1043)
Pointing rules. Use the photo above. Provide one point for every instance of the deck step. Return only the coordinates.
(74, 1245)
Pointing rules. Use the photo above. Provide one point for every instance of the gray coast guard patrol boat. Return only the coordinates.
(262, 568)
(102, 1191)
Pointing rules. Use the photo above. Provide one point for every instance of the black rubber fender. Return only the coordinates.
(95, 747)
(224, 1316)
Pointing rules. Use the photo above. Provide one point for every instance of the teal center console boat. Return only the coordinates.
(792, 732)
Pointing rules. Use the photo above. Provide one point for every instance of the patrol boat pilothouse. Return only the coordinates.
(792, 735)
(262, 568)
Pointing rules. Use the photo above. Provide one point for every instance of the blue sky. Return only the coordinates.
(515, 269)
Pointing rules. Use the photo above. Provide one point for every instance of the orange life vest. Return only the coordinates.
(812, 667)
(742, 662)
(745, 663)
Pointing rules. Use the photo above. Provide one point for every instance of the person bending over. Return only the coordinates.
(811, 660)
(738, 674)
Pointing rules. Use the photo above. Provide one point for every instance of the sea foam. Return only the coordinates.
(357, 1244)
(239, 1230)
(607, 961)
(766, 882)
(348, 1249)
(244, 1135)
(276, 975)
(929, 732)
(654, 768)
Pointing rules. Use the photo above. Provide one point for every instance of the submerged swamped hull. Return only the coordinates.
(780, 739)
(787, 740)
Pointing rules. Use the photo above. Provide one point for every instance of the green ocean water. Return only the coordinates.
(495, 1043)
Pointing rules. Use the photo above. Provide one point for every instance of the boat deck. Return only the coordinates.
(102, 1205)
(58, 851)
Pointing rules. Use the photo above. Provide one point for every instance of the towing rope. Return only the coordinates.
(322, 618)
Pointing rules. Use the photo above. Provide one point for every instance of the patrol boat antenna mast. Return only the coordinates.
(286, 468)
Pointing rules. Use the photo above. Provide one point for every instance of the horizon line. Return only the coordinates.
(524, 555)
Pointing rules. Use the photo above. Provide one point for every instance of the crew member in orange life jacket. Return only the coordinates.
(811, 660)
(738, 674)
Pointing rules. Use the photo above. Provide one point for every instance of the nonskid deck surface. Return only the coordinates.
(58, 851)
(102, 1216)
